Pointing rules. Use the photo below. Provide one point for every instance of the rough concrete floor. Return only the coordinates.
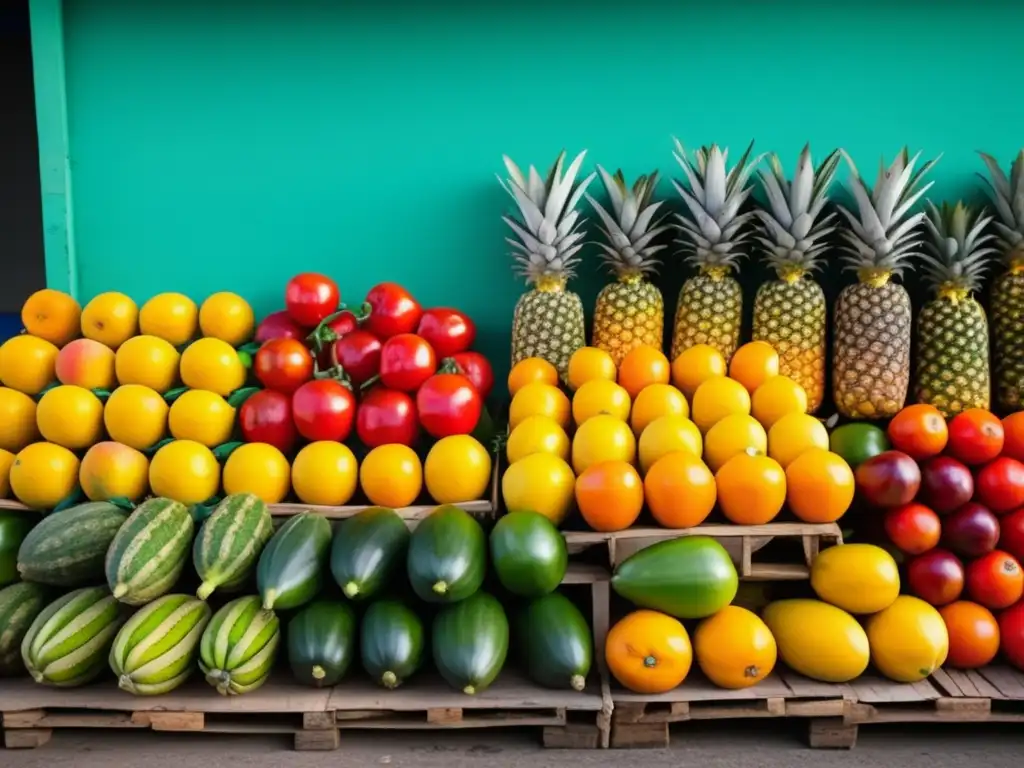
(763, 745)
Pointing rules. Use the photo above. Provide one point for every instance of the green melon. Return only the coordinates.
(149, 551)
(230, 542)
(19, 606)
(68, 549)
(239, 645)
(14, 527)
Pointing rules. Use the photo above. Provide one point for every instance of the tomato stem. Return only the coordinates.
(449, 365)
(370, 382)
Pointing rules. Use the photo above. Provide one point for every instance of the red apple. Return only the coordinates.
(971, 531)
(889, 479)
(1011, 533)
(946, 484)
(937, 577)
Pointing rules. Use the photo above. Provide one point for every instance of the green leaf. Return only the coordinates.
(73, 498)
(224, 450)
(239, 396)
(173, 394)
(485, 431)
(122, 502)
(249, 349)
(47, 388)
(157, 446)
(203, 510)
(245, 358)
(102, 394)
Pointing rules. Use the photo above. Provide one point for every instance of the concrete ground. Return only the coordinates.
(765, 745)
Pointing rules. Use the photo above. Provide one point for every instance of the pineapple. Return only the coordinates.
(790, 312)
(952, 332)
(1008, 290)
(630, 311)
(548, 320)
(710, 309)
(871, 366)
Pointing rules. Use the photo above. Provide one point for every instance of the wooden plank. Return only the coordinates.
(585, 573)
(171, 721)
(960, 683)
(28, 738)
(872, 689)
(1008, 681)
(777, 572)
(698, 688)
(572, 736)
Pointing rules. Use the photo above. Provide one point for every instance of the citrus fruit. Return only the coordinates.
(602, 438)
(643, 366)
(228, 317)
(919, 431)
(538, 399)
(793, 434)
(149, 361)
(540, 482)
(665, 435)
(733, 435)
(27, 363)
(973, 634)
(110, 318)
(857, 443)
(185, 471)
(734, 648)
(43, 474)
(655, 401)
(17, 420)
(212, 364)
(112, 470)
(136, 416)
(975, 436)
(457, 469)
(610, 495)
(536, 434)
(203, 416)
(908, 640)
(777, 397)
(532, 370)
(259, 469)
(819, 486)
(717, 398)
(70, 416)
(52, 315)
(751, 488)
(6, 461)
(325, 473)
(695, 366)
(753, 364)
(680, 490)
(172, 317)
(589, 364)
(648, 652)
(86, 363)
(1013, 436)
(597, 397)
(391, 476)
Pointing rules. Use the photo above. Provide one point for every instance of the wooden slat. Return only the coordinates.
(1006, 680)
(872, 689)
(964, 684)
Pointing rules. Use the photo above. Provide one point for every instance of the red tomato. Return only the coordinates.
(311, 297)
(975, 436)
(448, 404)
(266, 417)
(475, 367)
(1000, 484)
(913, 528)
(937, 576)
(995, 580)
(358, 355)
(333, 328)
(393, 310)
(283, 364)
(448, 331)
(386, 416)
(278, 325)
(324, 409)
(1011, 533)
(1011, 635)
(406, 361)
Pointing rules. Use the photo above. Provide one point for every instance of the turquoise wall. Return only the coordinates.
(228, 147)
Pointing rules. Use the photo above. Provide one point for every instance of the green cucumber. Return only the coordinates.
(470, 642)
(14, 527)
(67, 549)
(528, 553)
(238, 646)
(321, 643)
(19, 606)
(390, 643)
(230, 542)
(447, 556)
(367, 550)
(556, 642)
(149, 551)
(290, 570)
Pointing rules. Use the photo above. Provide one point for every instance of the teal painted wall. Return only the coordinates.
(228, 147)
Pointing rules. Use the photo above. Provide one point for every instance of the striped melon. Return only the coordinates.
(230, 542)
(155, 651)
(238, 647)
(19, 606)
(67, 549)
(146, 556)
(67, 643)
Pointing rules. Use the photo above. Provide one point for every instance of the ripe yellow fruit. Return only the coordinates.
(655, 401)
(542, 483)
(43, 475)
(149, 361)
(6, 461)
(17, 420)
(52, 315)
(185, 471)
(228, 317)
(537, 399)
(259, 469)
(203, 416)
(735, 434)
(110, 318)
(590, 364)
(112, 470)
(212, 364)
(666, 435)
(717, 398)
(172, 317)
(325, 473)
(27, 363)
(532, 370)
(753, 364)
(597, 397)
(777, 397)
(602, 438)
(457, 470)
(136, 416)
(793, 434)
(536, 434)
(695, 366)
(70, 416)
(391, 476)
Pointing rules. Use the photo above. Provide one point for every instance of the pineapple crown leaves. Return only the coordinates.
(713, 231)
(551, 231)
(632, 226)
(885, 234)
(1007, 196)
(792, 228)
(959, 247)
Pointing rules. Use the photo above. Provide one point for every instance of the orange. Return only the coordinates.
(52, 315)
(325, 473)
(112, 470)
(643, 366)
(536, 434)
(212, 364)
(655, 401)
(540, 482)
(259, 469)
(457, 469)
(793, 434)
(665, 435)
(597, 397)
(731, 436)
(391, 476)
(149, 361)
(753, 364)
(17, 420)
(648, 652)
(43, 475)
(777, 397)
(819, 486)
(610, 495)
(973, 634)
(27, 363)
(228, 317)
(136, 416)
(6, 462)
(734, 648)
(919, 431)
(110, 318)
(751, 488)
(172, 317)
(70, 416)
(203, 416)
(1013, 436)
(680, 490)
(717, 398)
(695, 366)
(588, 364)
(538, 399)
(185, 471)
(86, 363)
(602, 438)
(532, 370)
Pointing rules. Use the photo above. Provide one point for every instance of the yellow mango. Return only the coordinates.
(908, 640)
(859, 578)
(818, 640)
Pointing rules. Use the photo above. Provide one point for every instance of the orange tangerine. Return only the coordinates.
(655, 401)
(717, 398)
(539, 399)
(597, 397)
(778, 397)
(819, 486)
(643, 366)
(695, 366)
(52, 315)
(751, 488)
(609, 495)
(588, 364)
(753, 364)
(680, 490)
(733, 435)
(27, 363)
(110, 318)
(665, 435)
(532, 370)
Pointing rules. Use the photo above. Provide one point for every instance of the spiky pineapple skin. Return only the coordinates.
(627, 315)
(549, 325)
(710, 311)
(792, 317)
(952, 356)
(1008, 333)
(871, 366)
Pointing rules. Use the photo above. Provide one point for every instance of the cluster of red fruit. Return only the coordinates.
(385, 370)
(953, 496)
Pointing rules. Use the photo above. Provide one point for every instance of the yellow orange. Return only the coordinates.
(212, 364)
(112, 470)
(185, 471)
(588, 364)
(753, 364)
(6, 462)
(391, 476)
(666, 435)
(17, 420)
(149, 361)
(695, 366)
(541, 483)
(793, 434)
(733, 435)
(532, 370)
(643, 366)
(655, 401)
(70, 416)
(778, 397)
(680, 490)
(751, 488)
(172, 317)
(536, 434)
(228, 317)
(325, 473)
(86, 363)
(538, 399)
(43, 475)
(203, 416)
(597, 397)
(27, 363)
(52, 315)
(136, 416)
(259, 469)
(717, 398)
(457, 470)
(602, 438)
(110, 318)
(820, 486)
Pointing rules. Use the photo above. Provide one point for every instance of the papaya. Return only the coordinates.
(859, 578)
(390, 642)
(367, 550)
(321, 642)
(818, 640)
(447, 556)
(470, 642)
(528, 553)
(556, 642)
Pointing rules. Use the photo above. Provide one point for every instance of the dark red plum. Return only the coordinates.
(971, 531)
(937, 577)
(889, 479)
(946, 484)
